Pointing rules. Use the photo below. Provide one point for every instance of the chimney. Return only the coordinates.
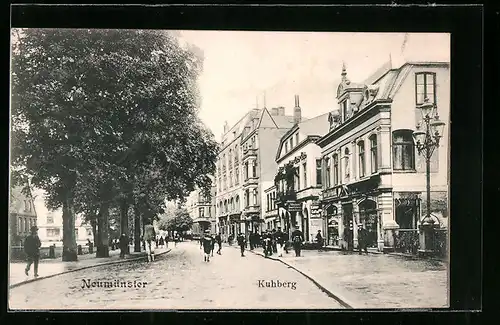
(297, 111)
(274, 111)
(281, 111)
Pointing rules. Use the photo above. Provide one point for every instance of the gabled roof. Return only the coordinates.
(283, 122)
(316, 126)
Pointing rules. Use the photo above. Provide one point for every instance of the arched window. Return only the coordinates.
(373, 153)
(403, 150)
(335, 169)
(361, 158)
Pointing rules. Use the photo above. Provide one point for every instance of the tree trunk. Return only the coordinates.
(124, 221)
(69, 253)
(93, 223)
(137, 229)
(103, 231)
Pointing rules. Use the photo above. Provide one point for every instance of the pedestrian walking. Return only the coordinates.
(273, 241)
(285, 241)
(157, 241)
(279, 239)
(166, 240)
(149, 238)
(362, 239)
(319, 240)
(207, 241)
(213, 246)
(297, 240)
(161, 242)
(218, 239)
(32, 246)
(176, 239)
(123, 245)
(242, 243)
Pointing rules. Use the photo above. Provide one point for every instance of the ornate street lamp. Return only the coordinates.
(427, 140)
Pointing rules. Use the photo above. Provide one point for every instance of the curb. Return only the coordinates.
(341, 300)
(83, 268)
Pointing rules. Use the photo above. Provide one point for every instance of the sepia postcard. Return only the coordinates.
(192, 169)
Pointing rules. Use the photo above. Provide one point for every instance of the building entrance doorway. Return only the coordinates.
(348, 225)
(369, 220)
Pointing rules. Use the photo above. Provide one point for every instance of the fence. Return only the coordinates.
(406, 241)
(17, 252)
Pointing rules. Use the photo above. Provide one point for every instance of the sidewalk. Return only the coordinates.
(50, 267)
(373, 281)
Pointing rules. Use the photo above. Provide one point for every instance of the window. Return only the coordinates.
(318, 172)
(236, 176)
(254, 169)
(230, 179)
(343, 107)
(296, 138)
(53, 232)
(209, 211)
(26, 225)
(246, 170)
(373, 153)
(230, 157)
(347, 169)
(236, 155)
(247, 198)
(425, 86)
(26, 205)
(403, 150)
(304, 170)
(291, 143)
(361, 158)
(254, 197)
(253, 142)
(286, 147)
(297, 178)
(202, 212)
(335, 169)
(50, 219)
(327, 173)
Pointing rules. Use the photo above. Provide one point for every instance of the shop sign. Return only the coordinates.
(335, 192)
(294, 207)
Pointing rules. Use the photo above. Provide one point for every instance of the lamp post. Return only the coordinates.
(427, 141)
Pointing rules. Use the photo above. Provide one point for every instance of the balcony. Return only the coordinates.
(251, 152)
(283, 197)
(251, 181)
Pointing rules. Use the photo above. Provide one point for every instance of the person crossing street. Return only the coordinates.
(218, 239)
(279, 240)
(32, 246)
(149, 239)
(207, 241)
(297, 240)
(241, 242)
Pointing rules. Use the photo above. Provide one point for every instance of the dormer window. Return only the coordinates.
(344, 110)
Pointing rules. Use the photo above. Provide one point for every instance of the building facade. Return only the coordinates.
(201, 209)
(245, 164)
(372, 173)
(22, 215)
(299, 156)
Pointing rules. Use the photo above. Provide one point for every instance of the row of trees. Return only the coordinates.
(107, 120)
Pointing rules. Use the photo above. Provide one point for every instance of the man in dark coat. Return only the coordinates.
(149, 239)
(218, 239)
(242, 243)
(207, 241)
(297, 240)
(123, 245)
(32, 246)
(319, 240)
(274, 244)
(362, 239)
(267, 243)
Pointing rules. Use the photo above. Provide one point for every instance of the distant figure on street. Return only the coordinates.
(218, 239)
(213, 246)
(319, 240)
(230, 239)
(143, 243)
(161, 242)
(297, 239)
(177, 238)
(362, 239)
(149, 238)
(123, 245)
(201, 241)
(32, 246)
(267, 243)
(279, 239)
(166, 240)
(242, 243)
(207, 245)
(275, 245)
(285, 240)
(157, 241)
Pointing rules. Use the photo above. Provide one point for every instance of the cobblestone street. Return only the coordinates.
(177, 280)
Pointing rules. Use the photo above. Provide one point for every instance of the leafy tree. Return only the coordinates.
(106, 118)
(176, 219)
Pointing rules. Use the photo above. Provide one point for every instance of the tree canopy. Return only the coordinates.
(100, 116)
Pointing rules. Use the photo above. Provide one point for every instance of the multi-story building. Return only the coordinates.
(201, 209)
(50, 224)
(372, 173)
(22, 215)
(246, 166)
(296, 197)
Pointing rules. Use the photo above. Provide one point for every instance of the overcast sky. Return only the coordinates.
(241, 65)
